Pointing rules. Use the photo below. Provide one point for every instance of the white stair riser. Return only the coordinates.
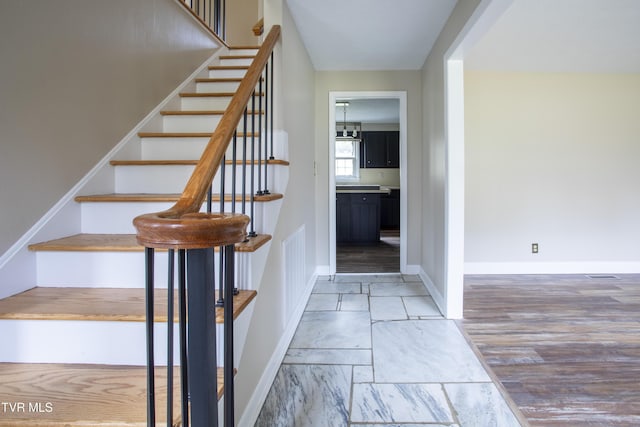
(97, 269)
(116, 218)
(235, 61)
(251, 51)
(182, 148)
(152, 179)
(74, 341)
(205, 123)
(204, 102)
(217, 87)
(173, 178)
(110, 269)
(232, 73)
(240, 331)
(175, 148)
(102, 342)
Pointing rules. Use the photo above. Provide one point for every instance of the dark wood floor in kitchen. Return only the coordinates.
(565, 347)
(381, 257)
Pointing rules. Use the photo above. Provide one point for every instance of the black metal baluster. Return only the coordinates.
(210, 198)
(244, 163)
(266, 144)
(259, 193)
(252, 232)
(202, 337)
(220, 300)
(217, 16)
(223, 14)
(222, 182)
(272, 96)
(151, 388)
(228, 337)
(234, 167)
(170, 290)
(184, 369)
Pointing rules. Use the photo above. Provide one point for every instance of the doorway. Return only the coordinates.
(367, 207)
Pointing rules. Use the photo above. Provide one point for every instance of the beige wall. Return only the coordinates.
(551, 159)
(329, 81)
(434, 177)
(241, 16)
(76, 76)
(295, 74)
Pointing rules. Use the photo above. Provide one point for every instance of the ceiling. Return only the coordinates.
(598, 36)
(369, 34)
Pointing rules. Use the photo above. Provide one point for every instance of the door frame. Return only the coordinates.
(401, 96)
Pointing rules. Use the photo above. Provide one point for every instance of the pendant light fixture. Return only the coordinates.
(344, 123)
(345, 133)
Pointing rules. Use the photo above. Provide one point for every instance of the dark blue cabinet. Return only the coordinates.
(357, 217)
(380, 149)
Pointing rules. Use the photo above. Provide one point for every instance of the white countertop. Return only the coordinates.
(366, 189)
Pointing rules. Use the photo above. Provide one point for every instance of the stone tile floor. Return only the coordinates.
(373, 350)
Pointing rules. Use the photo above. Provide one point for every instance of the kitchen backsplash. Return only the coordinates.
(382, 176)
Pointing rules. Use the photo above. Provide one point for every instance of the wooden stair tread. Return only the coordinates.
(120, 243)
(206, 94)
(188, 162)
(99, 304)
(85, 395)
(153, 162)
(237, 56)
(211, 94)
(82, 395)
(199, 112)
(228, 67)
(188, 134)
(218, 80)
(147, 197)
(243, 47)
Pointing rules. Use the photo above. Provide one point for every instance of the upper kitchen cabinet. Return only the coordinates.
(380, 149)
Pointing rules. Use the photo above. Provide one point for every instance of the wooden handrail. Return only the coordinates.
(258, 28)
(183, 226)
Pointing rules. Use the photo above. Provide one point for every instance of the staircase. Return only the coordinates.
(73, 349)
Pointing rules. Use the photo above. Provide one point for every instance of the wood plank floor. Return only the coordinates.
(381, 257)
(64, 395)
(565, 347)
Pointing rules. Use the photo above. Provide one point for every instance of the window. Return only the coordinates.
(347, 160)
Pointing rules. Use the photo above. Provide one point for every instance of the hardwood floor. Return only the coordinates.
(565, 347)
(381, 257)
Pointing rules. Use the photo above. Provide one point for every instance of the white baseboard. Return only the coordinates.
(437, 297)
(412, 269)
(551, 267)
(252, 411)
(323, 270)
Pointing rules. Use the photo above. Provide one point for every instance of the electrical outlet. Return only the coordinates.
(534, 248)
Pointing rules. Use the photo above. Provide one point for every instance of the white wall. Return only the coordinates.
(434, 244)
(552, 159)
(241, 16)
(75, 78)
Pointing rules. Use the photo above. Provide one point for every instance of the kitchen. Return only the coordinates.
(367, 177)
